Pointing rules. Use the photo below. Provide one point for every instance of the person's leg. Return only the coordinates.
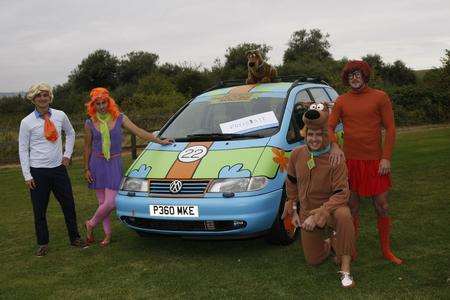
(384, 226)
(343, 242)
(110, 202)
(101, 200)
(315, 249)
(353, 204)
(102, 210)
(62, 189)
(100, 193)
(39, 198)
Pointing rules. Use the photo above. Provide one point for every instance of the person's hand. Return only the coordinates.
(295, 219)
(65, 161)
(309, 224)
(288, 209)
(88, 176)
(165, 142)
(320, 216)
(384, 167)
(336, 155)
(31, 184)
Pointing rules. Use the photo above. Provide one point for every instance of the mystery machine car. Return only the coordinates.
(223, 177)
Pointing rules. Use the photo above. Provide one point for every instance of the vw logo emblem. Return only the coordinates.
(175, 186)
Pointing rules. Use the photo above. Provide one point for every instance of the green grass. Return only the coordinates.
(166, 267)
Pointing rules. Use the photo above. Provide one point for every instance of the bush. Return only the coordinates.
(419, 104)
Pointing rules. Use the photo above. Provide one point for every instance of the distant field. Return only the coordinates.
(160, 267)
(421, 73)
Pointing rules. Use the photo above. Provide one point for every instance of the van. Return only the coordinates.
(223, 177)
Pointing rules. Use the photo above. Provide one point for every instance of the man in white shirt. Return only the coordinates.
(44, 164)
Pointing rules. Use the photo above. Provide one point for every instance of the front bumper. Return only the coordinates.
(218, 217)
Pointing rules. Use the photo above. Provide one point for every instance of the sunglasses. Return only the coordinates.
(356, 74)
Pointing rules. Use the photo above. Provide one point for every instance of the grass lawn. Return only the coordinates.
(166, 267)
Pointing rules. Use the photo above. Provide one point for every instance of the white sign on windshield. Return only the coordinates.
(250, 123)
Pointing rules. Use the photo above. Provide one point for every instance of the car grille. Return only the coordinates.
(189, 187)
(186, 225)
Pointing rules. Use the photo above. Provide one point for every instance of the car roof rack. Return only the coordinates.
(295, 79)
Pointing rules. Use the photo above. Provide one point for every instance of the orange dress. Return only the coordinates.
(364, 115)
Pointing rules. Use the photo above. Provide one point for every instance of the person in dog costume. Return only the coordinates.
(364, 112)
(258, 70)
(322, 192)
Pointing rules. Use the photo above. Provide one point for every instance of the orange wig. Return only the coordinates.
(100, 93)
(353, 65)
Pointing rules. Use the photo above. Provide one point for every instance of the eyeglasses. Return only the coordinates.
(356, 74)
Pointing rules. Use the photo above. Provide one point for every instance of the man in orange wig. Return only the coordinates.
(365, 111)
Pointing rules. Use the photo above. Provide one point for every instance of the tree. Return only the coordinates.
(98, 69)
(398, 74)
(136, 65)
(378, 66)
(439, 78)
(235, 57)
(313, 44)
(375, 61)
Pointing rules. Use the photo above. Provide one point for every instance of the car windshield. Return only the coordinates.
(225, 117)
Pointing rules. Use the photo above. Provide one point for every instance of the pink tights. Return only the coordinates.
(107, 203)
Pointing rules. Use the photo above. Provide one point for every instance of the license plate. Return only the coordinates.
(184, 211)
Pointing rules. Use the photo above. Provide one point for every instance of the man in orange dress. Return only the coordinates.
(364, 111)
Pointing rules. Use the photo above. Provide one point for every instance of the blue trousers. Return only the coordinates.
(54, 180)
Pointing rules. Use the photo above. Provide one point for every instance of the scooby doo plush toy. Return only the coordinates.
(258, 70)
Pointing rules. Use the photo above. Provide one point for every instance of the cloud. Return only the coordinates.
(235, 171)
(46, 40)
(142, 172)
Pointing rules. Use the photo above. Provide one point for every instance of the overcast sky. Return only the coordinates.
(46, 40)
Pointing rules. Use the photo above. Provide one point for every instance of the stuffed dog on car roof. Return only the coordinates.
(258, 70)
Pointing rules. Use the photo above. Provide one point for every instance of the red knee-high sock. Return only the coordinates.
(356, 225)
(384, 230)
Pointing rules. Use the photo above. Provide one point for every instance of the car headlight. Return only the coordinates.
(237, 185)
(134, 184)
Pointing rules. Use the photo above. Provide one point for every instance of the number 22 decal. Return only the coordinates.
(192, 153)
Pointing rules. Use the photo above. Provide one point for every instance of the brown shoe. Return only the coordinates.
(42, 251)
(79, 243)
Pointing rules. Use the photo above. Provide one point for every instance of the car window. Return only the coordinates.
(207, 115)
(319, 95)
(293, 134)
(301, 104)
(303, 97)
(332, 93)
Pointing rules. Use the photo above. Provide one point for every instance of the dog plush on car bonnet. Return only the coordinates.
(258, 70)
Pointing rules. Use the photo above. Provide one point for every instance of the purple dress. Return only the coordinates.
(107, 174)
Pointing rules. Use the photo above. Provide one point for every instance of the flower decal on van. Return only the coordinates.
(280, 159)
(142, 172)
(235, 171)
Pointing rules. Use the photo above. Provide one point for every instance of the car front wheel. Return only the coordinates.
(278, 234)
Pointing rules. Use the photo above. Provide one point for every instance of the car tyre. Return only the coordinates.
(278, 235)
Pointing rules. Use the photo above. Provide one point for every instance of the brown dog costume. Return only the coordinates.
(323, 192)
(258, 70)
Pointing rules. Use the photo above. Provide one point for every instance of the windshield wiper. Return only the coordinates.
(217, 136)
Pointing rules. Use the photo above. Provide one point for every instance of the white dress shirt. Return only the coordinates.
(38, 152)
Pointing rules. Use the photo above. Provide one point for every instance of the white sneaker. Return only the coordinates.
(346, 280)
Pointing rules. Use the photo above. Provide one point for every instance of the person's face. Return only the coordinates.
(356, 80)
(101, 106)
(314, 139)
(42, 100)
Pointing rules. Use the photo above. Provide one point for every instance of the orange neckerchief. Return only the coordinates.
(50, 131)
